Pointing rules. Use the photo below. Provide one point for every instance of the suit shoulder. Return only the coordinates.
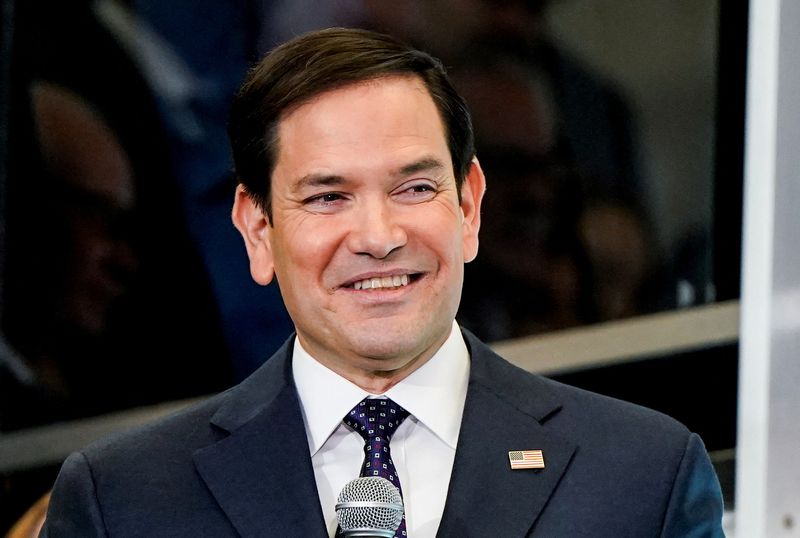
(182, 430)
(593, 408)
(195, 426)
(546, 399)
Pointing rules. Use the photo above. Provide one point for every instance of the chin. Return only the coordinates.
(402, 344)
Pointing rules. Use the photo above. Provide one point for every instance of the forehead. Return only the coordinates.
(368, 122)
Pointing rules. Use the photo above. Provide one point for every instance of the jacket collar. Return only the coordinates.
(261, 473)
(506, 409)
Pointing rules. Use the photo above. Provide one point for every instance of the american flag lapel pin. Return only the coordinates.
(526, 459)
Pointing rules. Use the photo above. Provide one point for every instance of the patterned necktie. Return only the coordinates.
(376, 420)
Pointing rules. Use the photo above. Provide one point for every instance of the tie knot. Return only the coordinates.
(373, 417)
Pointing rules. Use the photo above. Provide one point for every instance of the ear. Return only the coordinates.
(255, 228)
(471, 197)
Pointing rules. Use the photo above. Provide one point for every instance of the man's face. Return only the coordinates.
(368, 239)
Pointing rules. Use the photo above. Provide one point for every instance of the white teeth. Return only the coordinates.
(382, 282)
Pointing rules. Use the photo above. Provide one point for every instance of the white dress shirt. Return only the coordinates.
(423, 447)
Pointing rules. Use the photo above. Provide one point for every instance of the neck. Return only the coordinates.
(377, 382)
(375, 375)
(375, 369)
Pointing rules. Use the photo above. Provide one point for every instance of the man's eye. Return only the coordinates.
(327, 198)
(417, 192)
(421, 188)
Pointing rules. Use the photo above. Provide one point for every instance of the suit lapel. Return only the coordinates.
(505, 410)
(261, 473)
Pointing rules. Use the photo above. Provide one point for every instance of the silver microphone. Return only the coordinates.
(369, 507)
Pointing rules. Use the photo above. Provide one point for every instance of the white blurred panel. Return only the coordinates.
(768, 468)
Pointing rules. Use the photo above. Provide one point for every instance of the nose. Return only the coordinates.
(376, 230)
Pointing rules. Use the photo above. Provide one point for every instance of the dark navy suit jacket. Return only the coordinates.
(238, 465)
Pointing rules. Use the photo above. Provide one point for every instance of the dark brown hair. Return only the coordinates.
(313, 63)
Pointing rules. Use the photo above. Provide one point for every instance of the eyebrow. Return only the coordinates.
(317, 180)
(424, 164)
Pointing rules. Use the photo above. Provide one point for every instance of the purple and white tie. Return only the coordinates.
(376, 420)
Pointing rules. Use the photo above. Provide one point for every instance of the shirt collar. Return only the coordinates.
(434, 393)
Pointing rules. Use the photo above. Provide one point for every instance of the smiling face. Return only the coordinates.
(368, 238)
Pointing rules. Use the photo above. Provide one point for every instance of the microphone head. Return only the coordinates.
(369, 506)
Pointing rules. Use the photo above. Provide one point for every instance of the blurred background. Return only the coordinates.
(611, 133)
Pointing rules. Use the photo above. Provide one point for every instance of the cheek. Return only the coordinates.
(445, 239)
(302, 256)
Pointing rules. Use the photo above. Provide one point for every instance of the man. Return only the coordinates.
(360, 193)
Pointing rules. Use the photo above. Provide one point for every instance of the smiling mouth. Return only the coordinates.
(385, 282)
